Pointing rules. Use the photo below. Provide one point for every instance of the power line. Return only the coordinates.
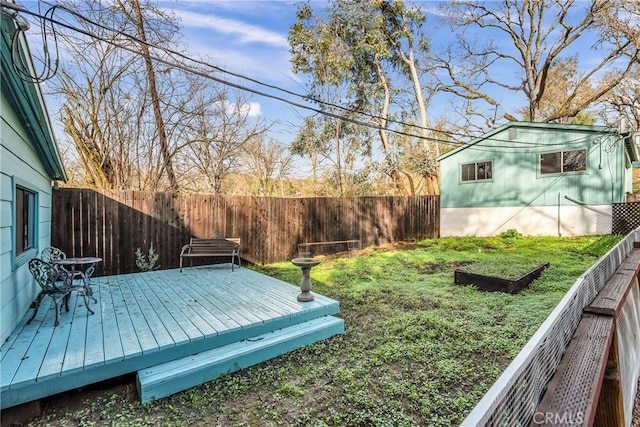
(48, 16)
(200, 73)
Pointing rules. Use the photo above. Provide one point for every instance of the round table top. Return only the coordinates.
(78, 261)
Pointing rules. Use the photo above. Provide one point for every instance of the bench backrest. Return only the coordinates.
(198, 245)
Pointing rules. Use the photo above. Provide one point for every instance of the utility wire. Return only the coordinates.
(200, 73)
(49, 16)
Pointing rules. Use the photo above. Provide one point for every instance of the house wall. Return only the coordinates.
(19, 164)
(532, 220)
(526, 197)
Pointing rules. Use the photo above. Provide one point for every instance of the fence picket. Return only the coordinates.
(112, 224)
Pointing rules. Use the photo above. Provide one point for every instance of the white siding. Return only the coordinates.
(533, 220)
(18, 163)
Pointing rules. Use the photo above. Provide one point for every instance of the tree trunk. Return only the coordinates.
(138, 21)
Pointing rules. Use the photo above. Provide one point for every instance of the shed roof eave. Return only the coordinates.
(555, 126)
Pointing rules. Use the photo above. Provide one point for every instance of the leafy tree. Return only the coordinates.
(368, 51)
(561, 80)
(335, 143)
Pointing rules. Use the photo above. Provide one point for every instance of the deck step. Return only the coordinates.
(171, 377)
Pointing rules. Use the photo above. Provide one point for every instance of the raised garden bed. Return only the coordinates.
(496, 279)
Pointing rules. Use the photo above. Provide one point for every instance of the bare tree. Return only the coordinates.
(623, 102)
(96, 113)
(132, 10)
(136, 117)
(268, 164)
(541, 34)
(218, 135)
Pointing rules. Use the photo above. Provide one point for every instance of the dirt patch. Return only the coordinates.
(89, 400)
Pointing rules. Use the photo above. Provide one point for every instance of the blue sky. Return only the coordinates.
(247, 37)
(250, 37)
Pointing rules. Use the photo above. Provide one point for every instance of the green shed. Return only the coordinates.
(536, 178)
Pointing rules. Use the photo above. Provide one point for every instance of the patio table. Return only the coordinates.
(82, 267)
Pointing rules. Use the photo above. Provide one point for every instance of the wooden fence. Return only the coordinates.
(113, 224)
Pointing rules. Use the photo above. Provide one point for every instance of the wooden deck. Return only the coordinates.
(143, 320)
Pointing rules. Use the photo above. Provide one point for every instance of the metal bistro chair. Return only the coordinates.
(51, 254)
(48, 276)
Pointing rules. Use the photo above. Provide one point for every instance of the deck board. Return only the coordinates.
(160, 331)
(112, 347)
(126, 331)
(138, 315)
(73, 358)
(229, 309)
(175, 329)
(142, 320)
(194, 312)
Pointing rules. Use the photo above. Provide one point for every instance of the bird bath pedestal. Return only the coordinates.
(305, 286)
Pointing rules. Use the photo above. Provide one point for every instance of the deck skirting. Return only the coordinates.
(171, 377)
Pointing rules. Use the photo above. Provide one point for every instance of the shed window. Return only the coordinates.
(25, 220)
(476, 171)
(563, 161)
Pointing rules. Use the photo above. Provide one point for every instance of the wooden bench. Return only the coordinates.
(304, 249)
(198, 248)
(585, 388)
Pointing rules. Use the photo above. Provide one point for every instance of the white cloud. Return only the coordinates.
(251, 109)
(241, 31)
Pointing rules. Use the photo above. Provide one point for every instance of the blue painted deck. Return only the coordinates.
(142, 320)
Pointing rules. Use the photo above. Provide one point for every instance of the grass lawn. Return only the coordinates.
(418, 349)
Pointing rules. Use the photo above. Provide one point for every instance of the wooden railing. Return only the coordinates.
(587, 388)
(547, 362)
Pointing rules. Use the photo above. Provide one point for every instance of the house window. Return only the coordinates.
(25, 220)
(476, 171)
(563, 161)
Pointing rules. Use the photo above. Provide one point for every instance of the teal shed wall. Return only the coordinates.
(516, 181)
(28, 158)
(19, 164)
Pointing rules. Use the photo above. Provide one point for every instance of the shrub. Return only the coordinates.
(511, 233)
(147, 262)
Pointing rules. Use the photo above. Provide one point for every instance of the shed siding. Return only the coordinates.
(536, 220)
(516, 181)
(19, 163)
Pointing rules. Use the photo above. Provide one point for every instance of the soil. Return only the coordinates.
(75, 400)
(61, 405)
